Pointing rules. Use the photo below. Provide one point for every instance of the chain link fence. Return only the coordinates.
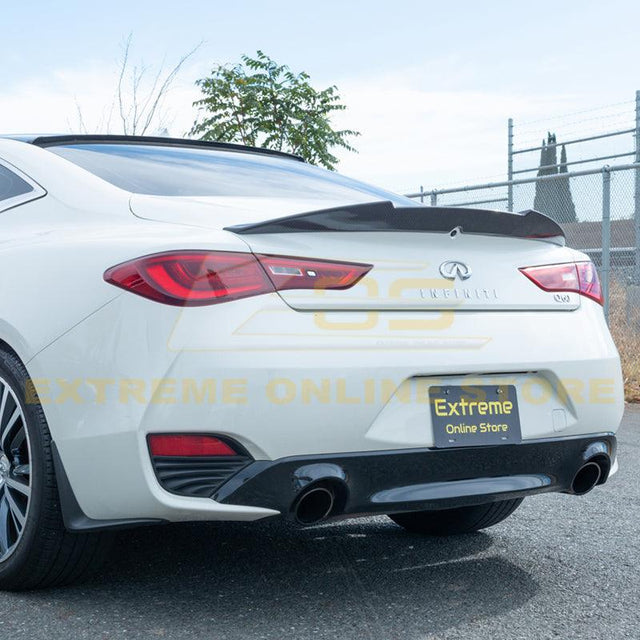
(599, 211)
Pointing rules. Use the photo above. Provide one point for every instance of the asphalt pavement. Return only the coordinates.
(561, 567)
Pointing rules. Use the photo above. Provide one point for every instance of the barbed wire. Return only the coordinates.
(572, 132)
(629, 113)
(622, 140)
(570, 129)
(565, 136)
(575, 113)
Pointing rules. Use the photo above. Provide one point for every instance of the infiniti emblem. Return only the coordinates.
(453, 269)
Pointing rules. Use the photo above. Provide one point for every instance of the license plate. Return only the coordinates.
(474, 416)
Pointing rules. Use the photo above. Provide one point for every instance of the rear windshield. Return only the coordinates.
(180, 171)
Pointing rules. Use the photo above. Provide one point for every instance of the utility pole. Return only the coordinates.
(636, 216)
(510, 160)
(605, 269)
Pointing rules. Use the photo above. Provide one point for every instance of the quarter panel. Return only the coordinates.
(53, 256)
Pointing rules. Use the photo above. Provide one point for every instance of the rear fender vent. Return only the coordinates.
(198, 477)
(195, 475)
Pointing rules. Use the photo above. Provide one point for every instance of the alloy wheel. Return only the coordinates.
(15, 471)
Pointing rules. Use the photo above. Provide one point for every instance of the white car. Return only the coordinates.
(202, 331)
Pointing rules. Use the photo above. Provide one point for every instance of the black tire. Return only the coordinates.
(43, 553)
(450, 522)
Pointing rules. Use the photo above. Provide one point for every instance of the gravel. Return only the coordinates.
(560, 567)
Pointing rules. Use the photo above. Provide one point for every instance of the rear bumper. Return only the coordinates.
(420, 479)
(284, 388)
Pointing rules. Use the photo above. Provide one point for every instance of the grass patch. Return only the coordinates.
(625, 328)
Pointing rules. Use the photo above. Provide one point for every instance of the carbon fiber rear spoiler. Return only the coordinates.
(383, 216)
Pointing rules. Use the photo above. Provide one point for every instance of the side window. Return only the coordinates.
(11, 185)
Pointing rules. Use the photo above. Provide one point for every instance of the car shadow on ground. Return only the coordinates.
(357, 578)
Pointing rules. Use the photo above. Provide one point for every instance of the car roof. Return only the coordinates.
(50, 140)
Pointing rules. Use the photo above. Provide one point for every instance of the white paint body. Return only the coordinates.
(273, 356)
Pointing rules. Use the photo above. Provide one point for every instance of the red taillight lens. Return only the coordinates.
(192, 278)
(197, 278)
(300, 273)
(188, 446)
(589, 281)
(576, 277)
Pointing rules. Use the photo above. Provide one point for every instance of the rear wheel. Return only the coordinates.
(35, 548)
(449, 522)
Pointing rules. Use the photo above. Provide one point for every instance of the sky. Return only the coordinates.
(430, 85)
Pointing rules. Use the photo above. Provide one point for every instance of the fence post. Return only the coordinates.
(421, 194)
(434, 198)
(606, 237)
(510, 164)
(636, 209)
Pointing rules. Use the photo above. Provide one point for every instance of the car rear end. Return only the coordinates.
(411, 390)
(365, 358)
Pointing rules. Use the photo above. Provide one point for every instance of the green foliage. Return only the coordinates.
(261, 103)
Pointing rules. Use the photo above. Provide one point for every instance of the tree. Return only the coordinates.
(553, 197)
(138, 97)
(258, 102)
(540, 201)
(567, 208)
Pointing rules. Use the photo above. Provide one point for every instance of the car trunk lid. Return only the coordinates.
(423, 271)
(424, 258)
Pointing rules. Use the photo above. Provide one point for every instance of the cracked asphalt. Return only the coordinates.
(560, 567)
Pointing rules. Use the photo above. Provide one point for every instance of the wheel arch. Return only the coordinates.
(73, 516)
(12, 342)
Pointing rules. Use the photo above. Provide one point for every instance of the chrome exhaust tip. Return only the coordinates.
(314, 505)
(586, 478)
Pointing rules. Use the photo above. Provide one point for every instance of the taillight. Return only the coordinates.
(300, 273)
(576, 277)
(191, 278)
(197, 278)
(186, 445)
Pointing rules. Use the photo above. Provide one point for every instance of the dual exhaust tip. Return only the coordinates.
(318, 502)
(314, 505)
(586, 478)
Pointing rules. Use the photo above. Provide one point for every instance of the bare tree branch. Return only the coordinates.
(139, 94)
(137, 77)
(165, 86)
(152, 91)
(123, 70)
(81, 124)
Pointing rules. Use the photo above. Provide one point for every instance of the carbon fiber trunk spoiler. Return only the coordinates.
(383, 216)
